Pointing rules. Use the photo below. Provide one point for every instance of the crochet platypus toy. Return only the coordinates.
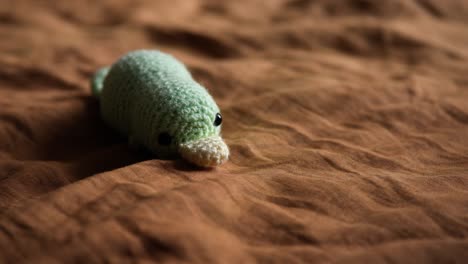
(152, 98)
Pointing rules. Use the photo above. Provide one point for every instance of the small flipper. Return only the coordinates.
(97, 82)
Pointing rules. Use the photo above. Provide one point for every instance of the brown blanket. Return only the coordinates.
(347, 122)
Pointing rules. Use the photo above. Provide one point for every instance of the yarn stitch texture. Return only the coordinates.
(147, 94)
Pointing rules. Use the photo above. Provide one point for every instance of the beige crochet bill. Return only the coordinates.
(205, 152)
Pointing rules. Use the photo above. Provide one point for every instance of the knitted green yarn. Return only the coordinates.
(148, 95)
(98, 81)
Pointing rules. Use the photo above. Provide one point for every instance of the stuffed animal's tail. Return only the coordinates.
(98, 81)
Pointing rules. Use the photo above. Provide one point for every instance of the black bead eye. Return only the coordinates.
(164, 139)
(218, 119)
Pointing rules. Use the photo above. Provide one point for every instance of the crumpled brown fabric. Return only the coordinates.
(347, 123)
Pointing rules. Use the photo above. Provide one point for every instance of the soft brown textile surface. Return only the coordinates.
(347, 122)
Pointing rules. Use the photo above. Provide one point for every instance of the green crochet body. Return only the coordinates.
(149, 93)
